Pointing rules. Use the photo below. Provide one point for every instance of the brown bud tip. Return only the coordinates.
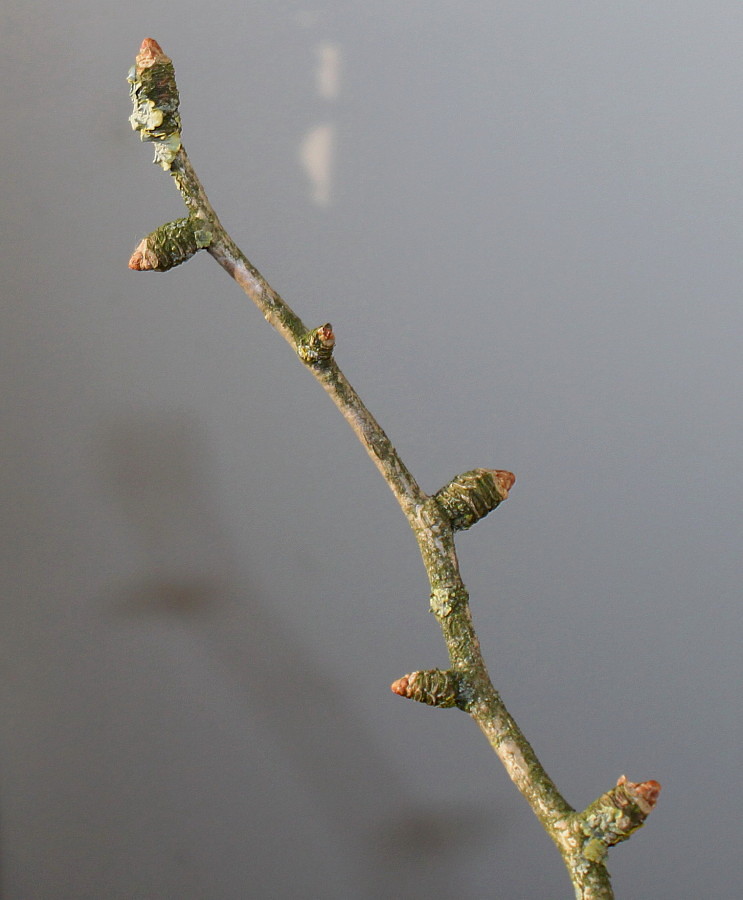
(649, 791)
(505, 480)
(143, 259)
(645, 792)
(150, 53)
(325, 333)
(400, 686)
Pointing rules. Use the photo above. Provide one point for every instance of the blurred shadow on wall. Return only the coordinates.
(158, 467)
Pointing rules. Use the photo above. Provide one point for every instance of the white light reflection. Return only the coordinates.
(316, 154)
(317, 147)
(328, 72)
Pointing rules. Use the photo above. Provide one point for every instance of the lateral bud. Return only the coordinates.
(435, 687)
(155, 98)
(471, 496)
(170, 245)
(615, 815)
(316, 346)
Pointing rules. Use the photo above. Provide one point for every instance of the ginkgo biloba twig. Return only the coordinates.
(583, 838)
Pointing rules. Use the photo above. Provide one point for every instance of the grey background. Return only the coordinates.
(531, 256)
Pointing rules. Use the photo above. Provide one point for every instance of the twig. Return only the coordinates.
(582, 838)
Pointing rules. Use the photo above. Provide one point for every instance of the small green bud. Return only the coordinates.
(435, 687)
(471, 496)
(316, 346)
(170, 245)
(615, 815)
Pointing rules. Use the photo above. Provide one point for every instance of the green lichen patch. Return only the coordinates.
(445, 600)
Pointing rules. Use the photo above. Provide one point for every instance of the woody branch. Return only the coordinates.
(583, 838)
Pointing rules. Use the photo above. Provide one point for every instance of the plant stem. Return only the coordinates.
(450, 600)
(582, 838)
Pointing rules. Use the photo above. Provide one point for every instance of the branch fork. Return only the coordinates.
(582, 838)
